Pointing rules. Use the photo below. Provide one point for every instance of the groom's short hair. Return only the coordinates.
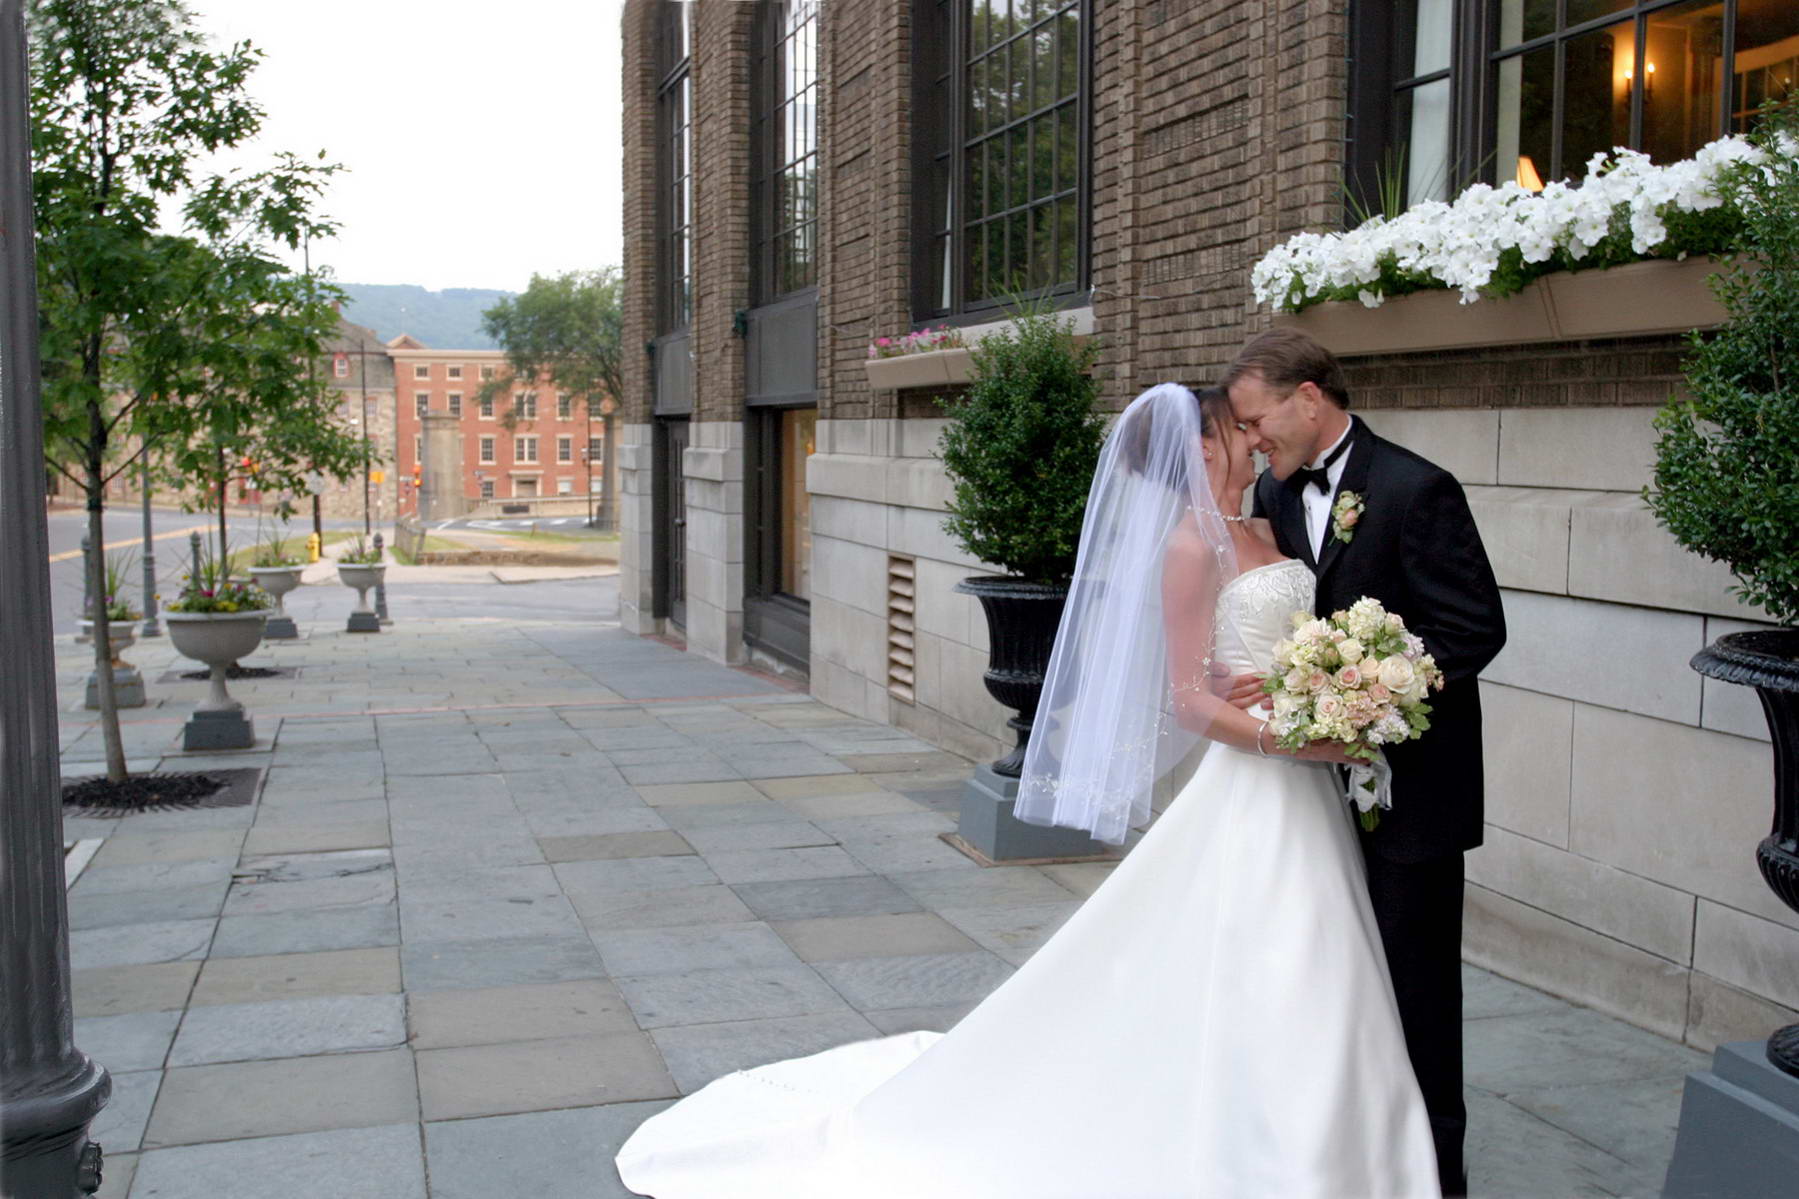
(1285, 358)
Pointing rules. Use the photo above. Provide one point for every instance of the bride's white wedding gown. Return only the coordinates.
(1216, 1020)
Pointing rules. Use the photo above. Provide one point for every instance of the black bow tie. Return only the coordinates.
(1321, 477)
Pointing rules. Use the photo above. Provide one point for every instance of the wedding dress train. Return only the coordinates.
(1262, 1056)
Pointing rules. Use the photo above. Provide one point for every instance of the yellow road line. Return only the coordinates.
(120, 545)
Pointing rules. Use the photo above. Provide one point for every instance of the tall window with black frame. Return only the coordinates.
(1000, 169)
(674, 121)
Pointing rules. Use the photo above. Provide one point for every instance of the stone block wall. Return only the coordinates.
(636, 542)
(878, 492)
(1625, 793)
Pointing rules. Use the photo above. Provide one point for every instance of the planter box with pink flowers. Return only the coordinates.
(926, 358)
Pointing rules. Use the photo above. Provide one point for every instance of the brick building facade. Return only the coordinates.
(526, 444)
(1625, 795)
(357, 364)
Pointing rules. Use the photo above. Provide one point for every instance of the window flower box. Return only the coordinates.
(954, 363)
(1637, 299)
(930, 369)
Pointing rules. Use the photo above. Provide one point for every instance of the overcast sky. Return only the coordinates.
(482, 139)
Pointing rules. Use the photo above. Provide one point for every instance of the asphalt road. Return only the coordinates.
(124, 532)
(571, 526)
(593, 599)
(576, 600)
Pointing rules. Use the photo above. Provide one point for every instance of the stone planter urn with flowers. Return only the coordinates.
(277, 571)
(122, 618)
(217, 621)
(127, 681)
(1726, 485)
(361, 568)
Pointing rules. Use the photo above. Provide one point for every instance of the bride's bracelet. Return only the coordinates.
(1260, 729)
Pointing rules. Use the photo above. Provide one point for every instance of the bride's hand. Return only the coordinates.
(1240, 691)
(1325, 751)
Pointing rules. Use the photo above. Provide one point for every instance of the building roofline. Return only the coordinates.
(464, 355)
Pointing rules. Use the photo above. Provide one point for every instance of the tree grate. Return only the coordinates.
(160, 792)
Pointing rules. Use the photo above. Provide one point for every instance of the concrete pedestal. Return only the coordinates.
(988, 826)
(216, 729)
(1739, 1129)
(280, 628)
(363, 622)
(127, 688)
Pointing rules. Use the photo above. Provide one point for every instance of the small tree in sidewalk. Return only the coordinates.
(126, 101)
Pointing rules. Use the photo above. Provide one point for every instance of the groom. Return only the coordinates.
(1372, 519)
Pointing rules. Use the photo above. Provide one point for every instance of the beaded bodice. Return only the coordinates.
(1255, 610)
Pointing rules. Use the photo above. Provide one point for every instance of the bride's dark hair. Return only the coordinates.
(1214, 415)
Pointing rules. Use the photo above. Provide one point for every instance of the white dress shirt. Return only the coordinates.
(1318, 503)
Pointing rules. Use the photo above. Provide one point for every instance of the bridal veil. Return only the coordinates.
(1105, 727)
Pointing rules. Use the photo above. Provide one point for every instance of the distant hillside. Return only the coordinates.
(443, 320)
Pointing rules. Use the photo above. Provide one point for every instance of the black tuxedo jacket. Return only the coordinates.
(1416, 550)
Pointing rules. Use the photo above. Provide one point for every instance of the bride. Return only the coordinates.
(1217, 1019)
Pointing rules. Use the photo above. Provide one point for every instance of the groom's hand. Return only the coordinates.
(1239, 690)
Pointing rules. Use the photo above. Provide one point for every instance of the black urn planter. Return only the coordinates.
(1022, 619)
(1769, 662)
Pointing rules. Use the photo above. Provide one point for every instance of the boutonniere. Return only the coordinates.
(1346, 513)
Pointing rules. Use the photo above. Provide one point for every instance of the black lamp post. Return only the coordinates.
(49, 1090)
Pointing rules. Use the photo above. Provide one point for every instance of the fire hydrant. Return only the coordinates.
(312, 547)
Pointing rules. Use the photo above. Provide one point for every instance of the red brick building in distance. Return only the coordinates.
(528, 442)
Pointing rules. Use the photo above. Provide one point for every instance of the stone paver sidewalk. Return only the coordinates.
(511, 886)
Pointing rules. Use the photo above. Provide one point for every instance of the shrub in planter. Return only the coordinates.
(1021, 446)
(1020, 450)
(1726, 480)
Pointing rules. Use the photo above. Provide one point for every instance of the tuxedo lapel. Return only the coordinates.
(1355, 478)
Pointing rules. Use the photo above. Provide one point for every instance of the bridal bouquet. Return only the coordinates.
(1358, 678)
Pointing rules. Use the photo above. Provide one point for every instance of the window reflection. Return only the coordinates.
(787, 149)
(1020, 163)
(1683, 62)
(1420, 132)
(1658, 80)
(799, 438)
(1597, 72)
(1767, 57)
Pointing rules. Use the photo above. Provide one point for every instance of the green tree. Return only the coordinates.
(127, 99)
(567, 329)
(252, 410)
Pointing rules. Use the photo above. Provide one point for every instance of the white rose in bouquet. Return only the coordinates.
(1397, 673)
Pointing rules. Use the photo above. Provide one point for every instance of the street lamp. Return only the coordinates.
(149, 628)
(49, 1090)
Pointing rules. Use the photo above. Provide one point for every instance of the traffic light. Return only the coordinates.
(418, 470)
